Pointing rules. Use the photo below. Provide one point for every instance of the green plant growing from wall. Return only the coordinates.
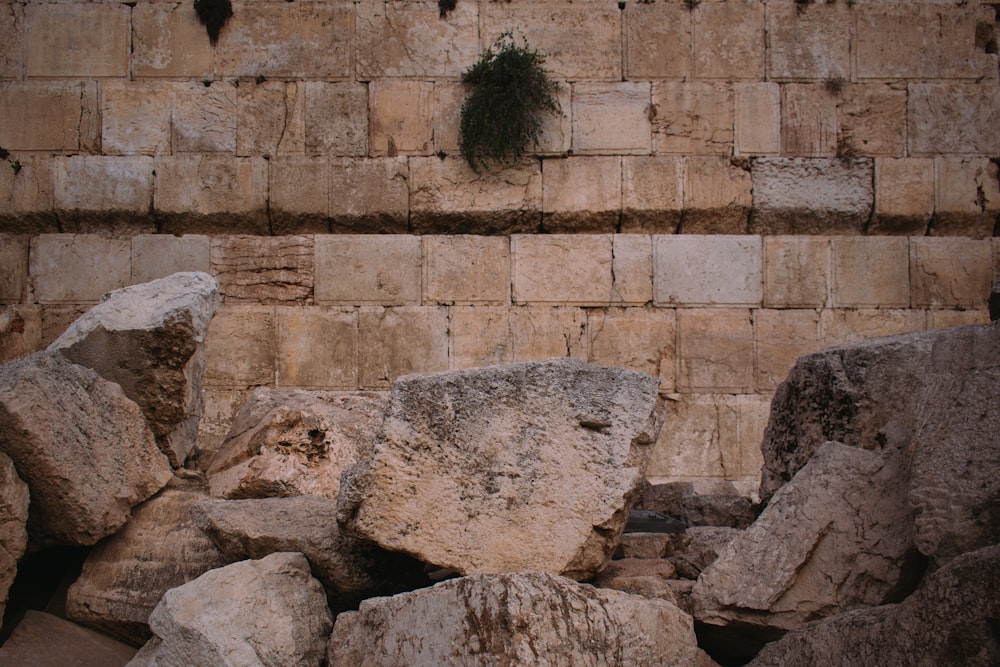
(503, 113)
(213, 14)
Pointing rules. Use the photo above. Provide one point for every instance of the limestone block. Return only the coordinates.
(612, 118)
(159, 255)
(702, 439)
(466, 270)
(299, 195)
(203, 118)
(400, 117)
(640, 339)
(870, 272)
(966, 197)
(717, 197)
(568, 269)
(13, 268)
(412, 39)
(448, 99)
(400, 341)
(796, 271)
(317, 347)
(657, 41)
(77, 268)
(556, 134)
(270, 118)
(221, 407)
(40, 115)
(693, 118)
(371, 195)
(715, 350)
(263, 269)
(843, 326)
(206, 193)
(582, 194)
(446, 196)
(77, 40)
(713, 270)
(944, 319)
(920, 41)
(94, 192)
(728, 40)
(809, 41)
(20, 330)
(808, 120)
(12, 46)
(871, 119)
(782, 336)
(950, 273)
(904, 196)
(311, 39)
(753, 413)
(631, 269)
(56, 318)
(168, 40)
(240, 347)
(43, 639)
(818, 196)
(953, 117)
(757, 121)
(489, 335)
(135, 117)
(336, 118)
(26, 196)
(579, 42)
(652, 193)
(368, 269)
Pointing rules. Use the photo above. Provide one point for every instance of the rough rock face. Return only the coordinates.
(721, 506)
(81, 445)
(249, 614)
(647, 577)
(159, 548)
(149, 338)
(529, 466)
(697, 548)
(289, 442)
(350, 568)
(13, 517)
(835, 538)
(513, 619)
(949, 621)
(43, 640)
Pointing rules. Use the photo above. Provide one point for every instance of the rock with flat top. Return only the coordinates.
(44, 640)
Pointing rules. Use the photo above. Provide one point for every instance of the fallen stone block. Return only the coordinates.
(13, 518)
(44, 640)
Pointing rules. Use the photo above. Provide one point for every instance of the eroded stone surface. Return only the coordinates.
(13, 517)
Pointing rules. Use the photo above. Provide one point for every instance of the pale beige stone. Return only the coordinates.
(715, 350)
(240, 347)
(565, 269)
(953, 117)
(159, 255)
(950, 273)
(581, 194)
(871, 120)
(754, 411)
(26, 196)
(368, 269)
(203, 193)
(966, 197)
(263, 269)
(12, 44)
(311, 39)
(631, 269)
(481, 336)
(94, 193)
(693, 118)
(168, 40)
(943, 319)
(717, 196)
(299, 195)
(203, 118)
(657, 41)
(20, 330)
(652, 193)
(77, 40)
(370, 195)
(13, 268)
(400, 341)
(729, 40)
(90, 118)
(781, 337)
(336, 118)
(135, 117)
(809, 41)
(466, 269)
(612, 118)
(757, 122)
(640, 339)
(42, 636)
(796, 271)
(449, 96)
(317, 347)
(40, 115)
(701, 439)
(221, 406)
(56, 318)
(77, 268)
(400, 117)
(270, 118)
(556, 134)
(713, 270)
(904, 196)
(485, 335)
(872, 272)
(843, 326)
(808, 120)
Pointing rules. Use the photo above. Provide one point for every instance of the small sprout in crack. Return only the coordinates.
(259, 79)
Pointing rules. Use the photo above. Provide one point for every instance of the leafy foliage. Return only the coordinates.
(503, 113)
(213, 14)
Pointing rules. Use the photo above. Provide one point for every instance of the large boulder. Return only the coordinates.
(44, 640)
(149, 338)
(530, 466)
(254, 613)
(950, 621)
(125, 576)
(515, 620)
(290, 442)
(81, 445)
(13, 519)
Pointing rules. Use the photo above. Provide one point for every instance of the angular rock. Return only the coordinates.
(949, 621)
(44, 640)
(529, 466)
(642, 545)
(837, 537)
(639, 576)
(81, 445)
(513, 619)
(149, 338)
(248, 614)
(697, 548)
(289, 442)
(722, 506)
(125, 576)
(350, 568)
(13, 517)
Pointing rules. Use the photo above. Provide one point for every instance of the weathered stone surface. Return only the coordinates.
(149, 338)
(368, 269)
(135, 117)
(20, 331)
(796, 271)
(351, 569)
(299, 195)
(248, 614)
(781, 337)
(369, 196)
(720, 505)
(466, 269)
(240, 347)
(717, 197)
(206, 193)
(485, 335)
(81, 445)
(317, 347)
(160, 255)
(157, 549)
(757, 121)
(336, 118)
(78, 40)
(729, 40)
(639, 576)
(26, 196)
(641, 545)
(95, 193)
(657, 41)
(270, 119)
(513, 619)
(525, 466)
(400, 117)
(809, 41)
(169, 40)
(715, 350)
(729, 273)
(400, 341)
(41, 115)
(652, 193)
(13, 517)
(950, 272)
(44, 640)
(948, 621)
(203, 118)
(561, 268)
(289, 442)
(871, 120)
(808, 120)
(692, 551)
(966, 197)
(640, 339)
(953, 117)
(612, 118)
(904, 196)
(842, 326)
(693, 118)
(582, 194)
(77, 268)
(264, 270)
